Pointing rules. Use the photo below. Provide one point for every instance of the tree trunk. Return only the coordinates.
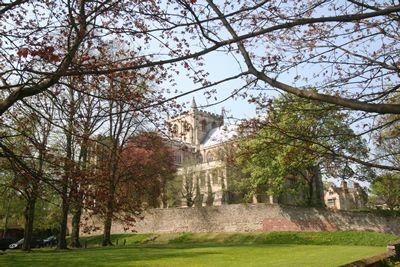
(29, 217)
(6, 216)
(107, 225)
(78, 203)
(163, 193)
(316, 187)
(310, 193)
(111, 194)
(62, 242)
(76, 220)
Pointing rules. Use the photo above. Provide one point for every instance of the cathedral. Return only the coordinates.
(200, 141)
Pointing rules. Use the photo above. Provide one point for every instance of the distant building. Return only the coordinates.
(198, 137)
(202, 142)
(346, 198)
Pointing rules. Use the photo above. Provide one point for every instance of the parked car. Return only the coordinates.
(35, 243)
(5, 243)
(50, 241)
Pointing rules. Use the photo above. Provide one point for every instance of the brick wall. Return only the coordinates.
(259, 217)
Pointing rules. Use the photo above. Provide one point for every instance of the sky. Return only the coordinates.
(219, 66)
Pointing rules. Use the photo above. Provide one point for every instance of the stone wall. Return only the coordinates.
(259, 217)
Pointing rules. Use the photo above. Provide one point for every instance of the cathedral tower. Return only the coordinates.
(192, 126)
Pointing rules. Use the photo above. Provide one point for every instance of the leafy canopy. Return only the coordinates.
(295, 136)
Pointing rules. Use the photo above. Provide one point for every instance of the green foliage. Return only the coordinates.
(387, 190)
(47, 214)
(298, 139)
(174, 191)
(387, 139)
(12, 206)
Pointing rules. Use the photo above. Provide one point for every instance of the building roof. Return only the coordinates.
(340, 190)
(220, 134)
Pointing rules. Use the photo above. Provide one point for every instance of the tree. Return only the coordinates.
(387, 139)
(80, 116)
(124, 95)
(306, 34)
(188, 187)
(136, 178)
(273, 38)
(296, 141)
(347, 50)
(387, 189)
(149, 159)
(26, 147)
(11, 204)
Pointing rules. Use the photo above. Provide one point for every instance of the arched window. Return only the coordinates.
(178, 158)
(203, 123)
(200, 158)
(209, 157)
(215, 178)
(174, 130)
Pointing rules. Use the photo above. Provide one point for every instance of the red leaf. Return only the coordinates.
(55, 58)
(85, 57)
(23, 52)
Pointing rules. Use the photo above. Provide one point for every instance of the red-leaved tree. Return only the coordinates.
(139, 175)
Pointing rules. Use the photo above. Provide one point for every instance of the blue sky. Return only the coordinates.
(219, 66)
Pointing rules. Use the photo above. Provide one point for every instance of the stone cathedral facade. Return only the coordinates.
(200, 140)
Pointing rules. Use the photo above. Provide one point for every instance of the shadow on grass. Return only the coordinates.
(114, 256)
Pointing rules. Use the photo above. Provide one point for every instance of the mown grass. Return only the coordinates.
(213, 249)
(118, 239)
(355, 238)
(241, 255)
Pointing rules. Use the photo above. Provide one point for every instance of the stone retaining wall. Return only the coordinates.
(259, 217)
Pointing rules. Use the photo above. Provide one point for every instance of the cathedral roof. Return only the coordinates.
(220, 134)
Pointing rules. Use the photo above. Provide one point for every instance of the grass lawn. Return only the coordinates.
(214, 249)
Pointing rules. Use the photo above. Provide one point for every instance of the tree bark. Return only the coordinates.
(78, 203)
(111, 193)
(29, 214)
(107, 226)
(76, 220)
(163, 193)
(310, 192)
(109, 215)
(6, 216)
(62, 242)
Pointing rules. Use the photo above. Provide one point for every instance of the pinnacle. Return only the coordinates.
(194, 105)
